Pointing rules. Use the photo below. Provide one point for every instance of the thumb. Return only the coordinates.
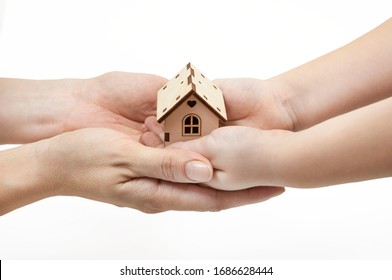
(173, 165)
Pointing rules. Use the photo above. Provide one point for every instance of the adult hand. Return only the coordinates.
(110, 166)
(41, 109)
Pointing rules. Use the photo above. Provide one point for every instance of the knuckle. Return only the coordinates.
(168, 168)
(152, 207)
(153, 202)
(219, 203)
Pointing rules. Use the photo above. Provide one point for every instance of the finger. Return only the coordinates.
(151, 139)
(171, 165)
(225, 200)
(190, 197)
(199, 146)
(153, 126)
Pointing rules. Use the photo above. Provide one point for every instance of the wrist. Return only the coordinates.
(303, 159)
(39, 109)
(282, 157)
(270, 161)
(287, 94)
(21, 181)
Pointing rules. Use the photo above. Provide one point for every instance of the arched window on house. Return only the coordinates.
(191, 125)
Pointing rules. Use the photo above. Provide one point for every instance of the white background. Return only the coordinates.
(56, 39)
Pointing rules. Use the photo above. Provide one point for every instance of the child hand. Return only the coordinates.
(242, 157)
(257, 103)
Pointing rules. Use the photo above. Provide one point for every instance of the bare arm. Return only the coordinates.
(350, 77)
(19, 183)
(35, 109)
(352, 147)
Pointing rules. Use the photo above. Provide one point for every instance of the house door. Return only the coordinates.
(191, 125)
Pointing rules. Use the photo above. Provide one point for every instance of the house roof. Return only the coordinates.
(187, 82)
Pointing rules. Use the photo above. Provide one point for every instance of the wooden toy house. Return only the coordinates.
(190, 105)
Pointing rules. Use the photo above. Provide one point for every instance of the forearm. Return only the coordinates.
(29, 111)
(353, 76)
(20, 178)
(353, 147)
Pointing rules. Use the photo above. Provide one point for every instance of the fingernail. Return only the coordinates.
(198, 171)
